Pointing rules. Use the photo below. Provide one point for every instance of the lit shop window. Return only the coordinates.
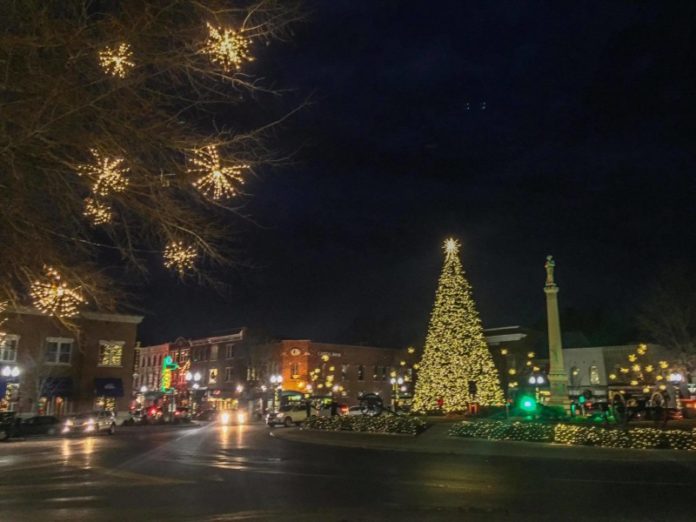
(212, 376)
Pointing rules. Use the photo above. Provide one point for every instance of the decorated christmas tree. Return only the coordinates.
(457, 367)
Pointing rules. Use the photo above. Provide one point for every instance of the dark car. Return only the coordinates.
(39, 425)
(7, 425)
(207, 415)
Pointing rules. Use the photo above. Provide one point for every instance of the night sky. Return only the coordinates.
(522, 128)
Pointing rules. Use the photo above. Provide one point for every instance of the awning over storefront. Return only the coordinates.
(109, 387)
(56, 387)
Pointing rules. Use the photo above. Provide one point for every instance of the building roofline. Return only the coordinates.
(94, 316)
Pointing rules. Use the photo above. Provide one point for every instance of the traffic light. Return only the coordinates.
(527, 403)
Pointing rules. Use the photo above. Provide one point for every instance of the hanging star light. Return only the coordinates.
(179, 256)
(108, 174)
(116, 60)
(52, 296)
(227, 47)
(98, 212)
(217, 182)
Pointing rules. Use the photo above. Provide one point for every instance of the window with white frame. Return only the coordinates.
(58, 350)
(229, 351)
(8, 347)
(229, 373)
(111, 353)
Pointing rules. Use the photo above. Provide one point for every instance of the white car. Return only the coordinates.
(94, 422)
(287, 415)
(358, 410)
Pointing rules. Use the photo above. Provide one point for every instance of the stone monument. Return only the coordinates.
(558, 378)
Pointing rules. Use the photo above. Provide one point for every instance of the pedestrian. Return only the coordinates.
(308, 408)
(334, 408)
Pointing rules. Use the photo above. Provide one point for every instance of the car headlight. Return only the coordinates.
(225, 418)
(241, 417)
(90, 422)
(69, 422)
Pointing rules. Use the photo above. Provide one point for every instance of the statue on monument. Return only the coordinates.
(549, 266)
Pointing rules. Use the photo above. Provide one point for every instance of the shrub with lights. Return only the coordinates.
(577, 435)
(369, 424)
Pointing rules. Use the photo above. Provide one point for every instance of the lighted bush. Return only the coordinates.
(577, 435)
(364, 423)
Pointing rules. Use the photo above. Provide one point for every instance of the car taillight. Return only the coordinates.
(344, 409)
(177, 413)
(152, 411)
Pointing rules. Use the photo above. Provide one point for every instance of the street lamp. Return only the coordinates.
(277, 385)
(195, 377)
(395, 382)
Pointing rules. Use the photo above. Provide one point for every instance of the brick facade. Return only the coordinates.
(70, 369)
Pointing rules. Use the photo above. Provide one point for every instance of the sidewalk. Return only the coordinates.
(436, 441)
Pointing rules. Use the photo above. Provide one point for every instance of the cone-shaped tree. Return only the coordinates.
(457, 367)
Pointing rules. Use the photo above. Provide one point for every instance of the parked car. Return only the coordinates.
(182, 414)
(7, 424)
(124, 418)
(362, 410)
(39, 425)
(287, 415)
(93, 422)
(207, 415)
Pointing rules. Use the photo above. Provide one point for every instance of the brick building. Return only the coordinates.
(231, 369)
(148, 367)
(65, 370)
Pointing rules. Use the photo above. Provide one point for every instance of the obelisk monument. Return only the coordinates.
(558, 378)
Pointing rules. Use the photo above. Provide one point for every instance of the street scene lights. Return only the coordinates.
(8, 371)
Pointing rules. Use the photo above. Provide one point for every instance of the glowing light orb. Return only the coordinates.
(227, 47)
(52, 296)
(179, 256)
(216, 182)
(98, 212)
(108, 174)
(116, 60)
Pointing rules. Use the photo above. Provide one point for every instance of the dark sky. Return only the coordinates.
(522, 128)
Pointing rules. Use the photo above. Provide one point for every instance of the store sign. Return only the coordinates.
(330, 354)
(168, 365)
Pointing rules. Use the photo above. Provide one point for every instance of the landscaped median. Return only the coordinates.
(577, 435)
(394, 424)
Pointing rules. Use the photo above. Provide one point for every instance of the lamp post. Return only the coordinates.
(277, 385)
(192, 379)
(396, 382)
(11, 374)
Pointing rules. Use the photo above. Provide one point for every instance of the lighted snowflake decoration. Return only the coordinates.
(108, 174)
(451, 246)
(227, 47)
(179, 256)
(98, 212)
(216, 182)
(116, 60)
(53, 296)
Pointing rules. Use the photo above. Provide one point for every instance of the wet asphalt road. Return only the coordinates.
(242, 473)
